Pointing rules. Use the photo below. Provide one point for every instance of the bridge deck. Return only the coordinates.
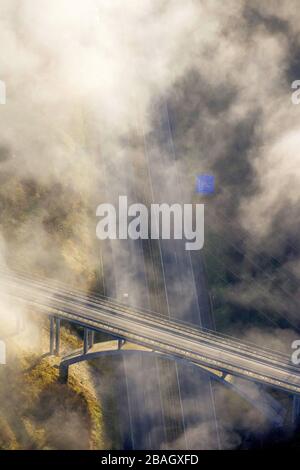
(180, 341)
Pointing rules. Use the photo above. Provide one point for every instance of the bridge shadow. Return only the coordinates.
(107, 384)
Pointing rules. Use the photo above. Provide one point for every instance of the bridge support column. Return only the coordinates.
(296, 410)
(57, 336)
(85, 341)
(54, 335)
(92, 338)
(63, 373)
(88, 340)
(51, 335)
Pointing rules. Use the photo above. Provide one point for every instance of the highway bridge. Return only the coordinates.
(219, 355)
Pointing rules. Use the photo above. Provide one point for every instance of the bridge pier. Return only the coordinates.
(85, 341)
(57, 336)
(63, 373)
(54, 336)
(88, 340)
(51, 336)
(91, 338)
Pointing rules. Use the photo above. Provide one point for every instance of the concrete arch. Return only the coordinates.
(266, 404)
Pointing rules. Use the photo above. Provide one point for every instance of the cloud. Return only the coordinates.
(83, 82)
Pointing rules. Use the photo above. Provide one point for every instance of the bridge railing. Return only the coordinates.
(60, 288)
